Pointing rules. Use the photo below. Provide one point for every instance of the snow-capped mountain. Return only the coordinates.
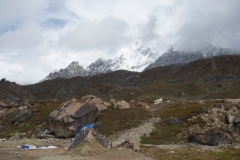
(139, 57)
(73, 70)
(174, 56)
(134, 58)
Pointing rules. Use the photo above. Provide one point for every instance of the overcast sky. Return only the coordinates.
(39, 36)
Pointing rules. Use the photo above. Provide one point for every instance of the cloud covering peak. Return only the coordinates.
(37, 37)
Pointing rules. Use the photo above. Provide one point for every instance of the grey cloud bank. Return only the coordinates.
(37, 37)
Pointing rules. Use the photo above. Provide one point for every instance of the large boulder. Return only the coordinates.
(66, 119)
(82, 136)
(85, 145)
(93, 136)
(22, 116)
(102, 105)
(101, 139)
(212, 138)
(121, 105)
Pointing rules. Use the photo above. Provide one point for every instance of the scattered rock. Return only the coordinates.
(130, 143)
(142, 104)
(3, 104)
(2, 140)
(134, 145)
(229, 117)
(101, 139)
(234, 101)
(96, 126)
(16, 137)
(201, 102)
(22, 116)
(41, 134)
(237, 128)
(22, 108)
(172, 120)
(66, 119)
(237, 120)
(158, 101)
(212, 138)
(121, 105)
(132, 101)
(182, 94)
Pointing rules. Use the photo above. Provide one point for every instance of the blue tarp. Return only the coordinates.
(39, 147)
(88, 126)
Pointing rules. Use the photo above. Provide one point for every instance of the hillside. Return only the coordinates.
(14, 94)
(216, 77)
(204, 78)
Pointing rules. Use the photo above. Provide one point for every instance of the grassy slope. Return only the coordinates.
(114, 120)
(39, 116)
(167, 134)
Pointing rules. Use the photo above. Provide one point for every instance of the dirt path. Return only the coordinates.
(134, 133)
(124, 154)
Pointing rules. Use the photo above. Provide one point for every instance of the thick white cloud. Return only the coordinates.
(108, 33)
(39, 36)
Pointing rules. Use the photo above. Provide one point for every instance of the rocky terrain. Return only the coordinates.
(212, 115)
(14, 94)
(114, 115)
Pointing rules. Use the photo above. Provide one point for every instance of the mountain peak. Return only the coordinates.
(74, 63)
(73, 70)
(179, 54)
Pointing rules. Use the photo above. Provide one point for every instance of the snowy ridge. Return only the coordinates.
(139, 57)
(175, 56)
(135, 58)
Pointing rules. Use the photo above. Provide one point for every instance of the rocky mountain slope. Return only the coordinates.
(210, 77)
(14, 94)
(73, 70)
(216, 77)
(135, 58)
(175, 56)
